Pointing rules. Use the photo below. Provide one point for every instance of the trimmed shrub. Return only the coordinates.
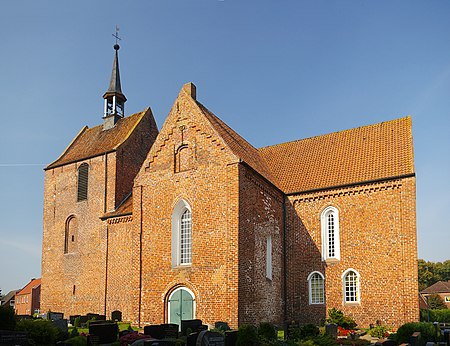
(378, 331)
(77, 341)
(74, 332)
(247, 336)
(441, 315)
(42, 332)
(267, 331)
(338, 317)
(427, 330)
(319, 340)
(435, 302)
(7, 318)
(308, 330)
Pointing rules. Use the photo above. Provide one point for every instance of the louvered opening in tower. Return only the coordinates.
(83, 174)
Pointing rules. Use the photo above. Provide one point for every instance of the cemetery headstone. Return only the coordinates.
(170, 331)
(386, 342)
(447, 336)
(209, 338)
(291, 329)
(83, 319)
(231, 337)
(116, 315)
(192, 339)
(9, 337)
(72, 319)
(62, 325)
(331, 329)
(193, 325)
(53, 316)
(103, 333)
(415, 339)
(155, 331)
(159, 343)
(221, 326)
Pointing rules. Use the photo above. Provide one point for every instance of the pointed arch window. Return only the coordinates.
(329, 223)
(181, 234)
(351, 284)
(316, 288)
(83, 178)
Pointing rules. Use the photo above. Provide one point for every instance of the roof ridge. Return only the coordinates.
(336, 132)
(141, 116)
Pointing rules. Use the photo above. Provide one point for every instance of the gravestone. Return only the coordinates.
(162, 331)
(101, 317)
(221, 326)
(447, 336)
(155, 331)
(331, 329)
(231, 337)
(103, 333)
(91, 316)
(62, 325)
(159, 343)
(415, 339)
(193, 325)
(72, 319)
(386, 342)
(83, 319)
(291, 329)
(9, 337)
(53, 316)
(208, 338)
(192, 339)
(170, 331)
(116, 315)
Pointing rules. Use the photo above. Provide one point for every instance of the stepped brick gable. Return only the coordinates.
(194, 222)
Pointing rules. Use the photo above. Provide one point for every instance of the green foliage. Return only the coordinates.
(77, 341)
(247, 336)
(7, 318)
(267, 331)
(436, 302)
(42, 332)
(77, 322)
(378, 331)
(308, 330)
(337, 317)
(440, 315)
(432, 272)
(319, 340)
(427, 331)
(74, 332)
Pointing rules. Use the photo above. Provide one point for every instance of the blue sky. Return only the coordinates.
(275, 71)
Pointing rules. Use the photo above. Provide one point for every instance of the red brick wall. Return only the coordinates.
(209, 184)
(260, 215)
(377, 239)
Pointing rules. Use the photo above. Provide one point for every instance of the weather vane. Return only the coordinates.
(116, 36)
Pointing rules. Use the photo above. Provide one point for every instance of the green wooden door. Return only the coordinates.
(181, 306)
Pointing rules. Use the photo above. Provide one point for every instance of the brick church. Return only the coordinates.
(192, 221)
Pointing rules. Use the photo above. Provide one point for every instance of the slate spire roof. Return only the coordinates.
(114, 84)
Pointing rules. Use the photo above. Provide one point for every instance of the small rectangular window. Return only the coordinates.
(269, 257)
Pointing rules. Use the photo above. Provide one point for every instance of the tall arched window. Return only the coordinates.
(181, 234)
(83, 177)
(351, 282)
(329, 223)
(316, 288)
(71, 235)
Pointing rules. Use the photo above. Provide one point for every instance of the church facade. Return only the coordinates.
(192, 221)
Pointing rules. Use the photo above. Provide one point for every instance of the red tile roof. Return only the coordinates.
(125, 208)
(239, 146)
(94, 141)
(29, 287)
(438, 287)
(367, 153)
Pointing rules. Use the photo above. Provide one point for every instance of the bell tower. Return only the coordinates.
(114, 107)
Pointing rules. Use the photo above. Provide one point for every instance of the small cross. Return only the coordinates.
(116, 35)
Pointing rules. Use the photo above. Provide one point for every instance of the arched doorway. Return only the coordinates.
(181, 305)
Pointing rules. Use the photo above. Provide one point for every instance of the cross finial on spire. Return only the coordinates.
(116, 36)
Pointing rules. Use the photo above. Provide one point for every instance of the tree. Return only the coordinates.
(432, 272)
(436, 302)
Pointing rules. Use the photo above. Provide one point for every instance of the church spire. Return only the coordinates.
(114, 98)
